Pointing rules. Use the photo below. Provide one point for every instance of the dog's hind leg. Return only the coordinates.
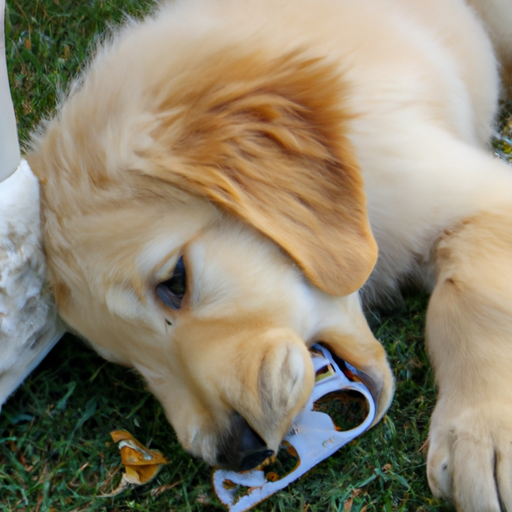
(469, 336)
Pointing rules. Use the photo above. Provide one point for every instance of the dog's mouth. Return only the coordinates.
(355, 375)
(339, 409)
(242, 448)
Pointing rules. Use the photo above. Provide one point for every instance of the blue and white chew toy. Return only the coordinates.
(313, 435)
(29, 326)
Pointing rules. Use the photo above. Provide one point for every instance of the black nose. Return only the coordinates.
(242, 449)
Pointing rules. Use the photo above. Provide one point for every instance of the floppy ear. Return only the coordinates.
(265, 141)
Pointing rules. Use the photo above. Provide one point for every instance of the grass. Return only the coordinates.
(55, 450)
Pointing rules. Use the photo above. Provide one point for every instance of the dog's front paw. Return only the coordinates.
(470, 456)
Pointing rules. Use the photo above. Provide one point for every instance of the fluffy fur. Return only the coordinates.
(260, 140)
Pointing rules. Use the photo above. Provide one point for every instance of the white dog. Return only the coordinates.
(215, 188)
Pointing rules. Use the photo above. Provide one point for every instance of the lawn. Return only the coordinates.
(55, 448)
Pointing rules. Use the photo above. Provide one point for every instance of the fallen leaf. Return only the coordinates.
(141, 464)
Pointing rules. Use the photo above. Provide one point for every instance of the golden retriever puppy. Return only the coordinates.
(214, 190)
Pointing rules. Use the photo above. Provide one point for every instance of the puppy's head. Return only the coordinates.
(204, 223)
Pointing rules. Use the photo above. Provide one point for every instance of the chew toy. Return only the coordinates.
(312, 437)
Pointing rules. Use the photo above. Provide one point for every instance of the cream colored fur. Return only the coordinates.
(239, 135)
(497, 15)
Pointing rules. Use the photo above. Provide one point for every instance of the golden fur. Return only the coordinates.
(259, 141)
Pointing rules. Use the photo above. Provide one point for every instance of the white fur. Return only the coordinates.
(29, 327)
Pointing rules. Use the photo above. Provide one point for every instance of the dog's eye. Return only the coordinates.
(172, 291)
